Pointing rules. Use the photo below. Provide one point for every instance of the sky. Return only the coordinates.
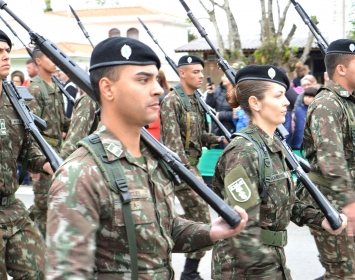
(247, 14)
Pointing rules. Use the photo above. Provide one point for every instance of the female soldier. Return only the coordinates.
(261, 184)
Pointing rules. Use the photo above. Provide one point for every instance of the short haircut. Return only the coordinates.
(332, 60)
(30, 60)
(111, 72)
(37, 54)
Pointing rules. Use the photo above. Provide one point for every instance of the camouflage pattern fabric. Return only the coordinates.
(245, 256)
(86, 234)
(52, 111)
(21, 247)
(328, 147)
(173, 131)
(83, 122)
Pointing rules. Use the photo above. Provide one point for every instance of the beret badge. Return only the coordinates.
(126, 51)
(189, 59)
(271, 73)
(352, 47)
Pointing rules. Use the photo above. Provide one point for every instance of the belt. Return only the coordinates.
(318, 179)
(7, 200)
(52, 141)
(274, 238)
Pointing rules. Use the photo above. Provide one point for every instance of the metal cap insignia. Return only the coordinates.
(189, 59)
(126, 51)
(271, 73)
(352, 47)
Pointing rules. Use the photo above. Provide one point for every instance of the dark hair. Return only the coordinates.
(112, 73)
(332, 60)
(30, 60)
(37, 54)
(18, 74)
(311, 91)
(239, 96)
(162, 81)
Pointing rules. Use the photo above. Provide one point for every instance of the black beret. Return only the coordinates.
(5, 38)
(311, 91)
(122, 51)
(345, 46)
(190, 59)
(267, 73)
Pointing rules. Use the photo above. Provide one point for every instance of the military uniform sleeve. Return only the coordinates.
(170, 112)
(36, 104)
(248, 243)
(81, 124)
(36, 159)
(302, 214)
(190, 236)
(324, 137)
(209, 139)
(66, 124)
(73, 219)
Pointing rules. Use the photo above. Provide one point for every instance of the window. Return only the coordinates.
(133, 33)
(114, 32)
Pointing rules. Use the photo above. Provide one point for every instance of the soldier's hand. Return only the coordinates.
(349, 212)
(220, 229)
(47, 167)
(326, 225)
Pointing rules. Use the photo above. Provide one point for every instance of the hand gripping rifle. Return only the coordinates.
(27, 117)
(197, 92)
(292, 160)
(322, 44)
(79, 77)
(29, 51)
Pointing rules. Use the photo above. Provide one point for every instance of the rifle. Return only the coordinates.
(79, 77)
(54, 78)
(322, 44)
(331, 214)
(197, 92)
(27, 117)
(81, 26)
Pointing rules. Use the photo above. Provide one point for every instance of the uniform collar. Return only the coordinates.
(342, 92)
(271, 143)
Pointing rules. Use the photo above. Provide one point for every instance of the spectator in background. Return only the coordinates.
(300, 117)
(154, 127)
(308, 81)
(240, 118)
(72, 89)
(301, 71)
(32, 71)
(291, 96)
(18, 78)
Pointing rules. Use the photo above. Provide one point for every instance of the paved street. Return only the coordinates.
(301, 251)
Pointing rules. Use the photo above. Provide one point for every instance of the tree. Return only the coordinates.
(352, 20)
(48, 6)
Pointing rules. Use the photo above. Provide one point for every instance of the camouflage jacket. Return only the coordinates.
(246, 252)
(86, 229)
(328, 145)
(174, 127)
(13, 147)
(53, 112)
(83, 122)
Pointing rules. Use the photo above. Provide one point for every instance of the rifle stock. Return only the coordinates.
(331, 214)
(81, 79)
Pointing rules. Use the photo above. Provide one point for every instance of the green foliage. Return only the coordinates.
(271, 53)
(352, 21)
(48, 6)
(191, 36)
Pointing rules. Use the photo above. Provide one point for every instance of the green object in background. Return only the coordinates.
(208, 161)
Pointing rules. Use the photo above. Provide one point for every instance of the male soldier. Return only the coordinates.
(48, 104)
(22, 250)
(111, 204)
(183, 131)
(329, 143)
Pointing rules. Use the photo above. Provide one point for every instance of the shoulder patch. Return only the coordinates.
(239, 189)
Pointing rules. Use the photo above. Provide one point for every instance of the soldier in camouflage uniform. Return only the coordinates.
(89, 232)
(264, 190)
(183, 131)
(83, 122)
(22, 250)
(328, 142)
(48, 104)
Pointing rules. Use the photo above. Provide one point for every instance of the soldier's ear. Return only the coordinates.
(105, 86)
(254, 104)
(341, 69)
